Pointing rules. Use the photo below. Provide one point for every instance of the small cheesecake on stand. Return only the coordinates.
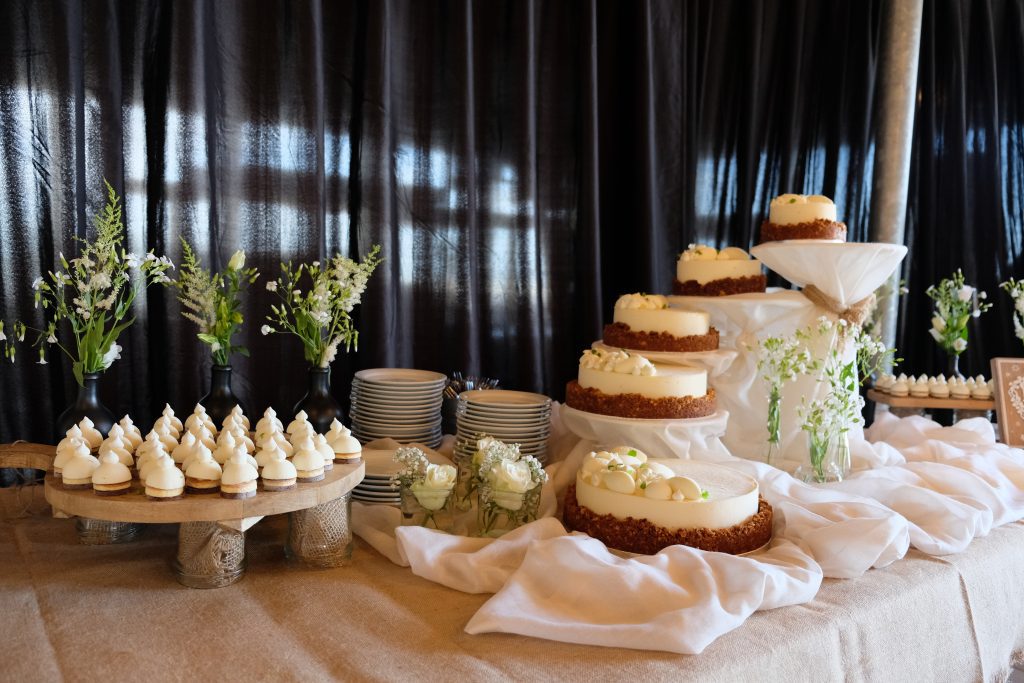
(623, 384)
(646, 322)
(704, 271)
(802, 217)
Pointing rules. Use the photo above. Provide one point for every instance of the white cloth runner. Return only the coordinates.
(942, 488)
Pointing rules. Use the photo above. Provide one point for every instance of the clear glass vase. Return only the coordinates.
(431, 508)
(466, 487)
(771, 451)
(819, 466)
(499, 512)
(841, 454)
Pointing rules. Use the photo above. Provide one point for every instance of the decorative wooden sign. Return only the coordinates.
(1009, 394)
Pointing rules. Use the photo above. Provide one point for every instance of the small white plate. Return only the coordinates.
(399, 376)
(492, 397)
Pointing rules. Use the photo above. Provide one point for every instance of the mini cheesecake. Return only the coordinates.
(165, 482)
(112, 477)
(278, 474)
(309, 464)
(239, 477)
(347, 449)
(203, 473)
(77, 473)
(325, 451)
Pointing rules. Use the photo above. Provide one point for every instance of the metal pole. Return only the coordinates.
(901, 49)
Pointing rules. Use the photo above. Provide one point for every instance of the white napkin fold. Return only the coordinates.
(572, 589)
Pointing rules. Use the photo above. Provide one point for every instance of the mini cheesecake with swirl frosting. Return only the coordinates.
(624, 384)
(705, 271)
(802, 217)
(646, 322)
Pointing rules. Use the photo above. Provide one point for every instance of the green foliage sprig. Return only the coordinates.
(955, 304)
(213, 301)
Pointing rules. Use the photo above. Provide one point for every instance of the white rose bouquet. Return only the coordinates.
(94, 294)
(509, 484)
(316, 303)
(955, 304)
(429, 484)
(213, 301)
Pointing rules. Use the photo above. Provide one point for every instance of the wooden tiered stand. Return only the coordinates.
(211, 537)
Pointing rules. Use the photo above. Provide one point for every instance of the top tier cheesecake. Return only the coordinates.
(802, 217)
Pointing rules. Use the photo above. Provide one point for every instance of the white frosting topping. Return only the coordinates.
(186, 449)
(650, 302)
(241, 437)
(168, 412)
(115, 444)
(165, 476)
(269, 450)
(617, 361)
(702, 252)
(111, 470)
(81, 466)
(132, 435)
(307, 457)
(341, 439)
(147, 466)
(68, 450)
(238, 470)
(165, 426)
(277, 468)
(301, 421)
(203, 466)
(226, 446)
(324, 448)
(283, 442)
(268, 423)
(90, 433)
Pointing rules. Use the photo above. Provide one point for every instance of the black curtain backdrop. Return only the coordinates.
(521, 163)
(966, 203)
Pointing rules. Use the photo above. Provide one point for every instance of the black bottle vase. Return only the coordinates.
(220, 400)
(87, 404)
(318, 403)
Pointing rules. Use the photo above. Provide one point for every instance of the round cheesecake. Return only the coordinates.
(802, 217)
(643, 505)
(646, 322)
(704, 271)
(626, 384)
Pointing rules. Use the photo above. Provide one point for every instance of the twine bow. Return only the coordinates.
(855, 314)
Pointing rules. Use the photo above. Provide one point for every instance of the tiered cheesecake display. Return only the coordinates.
(705, 271)
(645, 322)
(623, 384)
(641, 505)
(802, 217)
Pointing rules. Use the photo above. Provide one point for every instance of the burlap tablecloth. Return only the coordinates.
(72, 612)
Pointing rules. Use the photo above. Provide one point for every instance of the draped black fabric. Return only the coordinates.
(522, 164)
(966, 202)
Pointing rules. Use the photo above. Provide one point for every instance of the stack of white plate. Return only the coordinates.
(376, 486)
(509, 416)
(397, 403)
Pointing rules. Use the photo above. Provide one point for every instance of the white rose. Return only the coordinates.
(440, 477)
(959, 345)
(112, 354)
(237, 261)
(965, 293)
(938, 323)
(512, 477)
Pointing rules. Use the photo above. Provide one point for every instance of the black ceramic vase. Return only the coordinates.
(318, 403)
(87, 404)
(220, 401)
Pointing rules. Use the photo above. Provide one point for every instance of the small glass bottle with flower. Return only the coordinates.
(509, 486)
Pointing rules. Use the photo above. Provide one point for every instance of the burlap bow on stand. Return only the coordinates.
(855, 314)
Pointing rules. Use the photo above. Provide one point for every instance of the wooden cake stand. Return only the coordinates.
(211, 538)
(915, 405)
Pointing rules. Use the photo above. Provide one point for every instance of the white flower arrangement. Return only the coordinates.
(320, 317)
(213, 301)
(430, 483)
(94, 294)
(1016, 291)
(955, 304)
(506, 475)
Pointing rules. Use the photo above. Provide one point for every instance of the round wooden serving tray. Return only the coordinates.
(135, 506)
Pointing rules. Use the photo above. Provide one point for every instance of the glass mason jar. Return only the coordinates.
(502, 511)
(430, 508)
(819, 466)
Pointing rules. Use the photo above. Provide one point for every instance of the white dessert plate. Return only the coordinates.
(512, 418)
(846, 271)
(505, 397)
(398, 397)
(476, 423)
(399, 376)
